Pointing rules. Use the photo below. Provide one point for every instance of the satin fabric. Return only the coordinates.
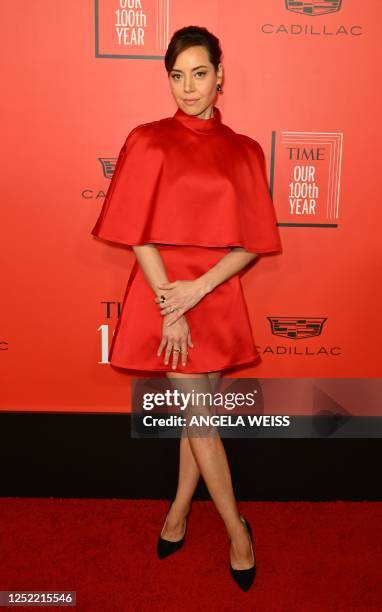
(190, 181)
(195, 188)
(219, 323)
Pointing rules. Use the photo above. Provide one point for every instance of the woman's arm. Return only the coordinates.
(179, 335)
(184, 294)
(151, 263)
(234, 261)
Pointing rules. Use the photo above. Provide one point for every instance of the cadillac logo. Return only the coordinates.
(313, 7)
(296, 327)
(108, 166)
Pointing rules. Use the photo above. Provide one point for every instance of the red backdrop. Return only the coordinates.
(79, 78)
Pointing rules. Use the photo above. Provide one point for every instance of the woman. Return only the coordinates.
(190, 197)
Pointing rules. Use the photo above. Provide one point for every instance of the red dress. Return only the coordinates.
(195, 188)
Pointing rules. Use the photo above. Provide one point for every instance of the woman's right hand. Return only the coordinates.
(177, 335)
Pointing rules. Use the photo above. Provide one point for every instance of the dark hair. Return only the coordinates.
(190, 36)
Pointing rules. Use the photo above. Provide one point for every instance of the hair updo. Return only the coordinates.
(190, 36)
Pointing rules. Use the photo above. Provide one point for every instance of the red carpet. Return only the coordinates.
(312, 557)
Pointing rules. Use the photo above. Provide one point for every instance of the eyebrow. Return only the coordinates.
(196, 67)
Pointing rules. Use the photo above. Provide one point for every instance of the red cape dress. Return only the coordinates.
(195, 188)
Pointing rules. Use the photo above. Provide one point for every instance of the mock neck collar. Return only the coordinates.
(197, 124)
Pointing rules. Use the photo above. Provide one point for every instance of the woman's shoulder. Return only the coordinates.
(148, 129)
(243, 141)
(251, 144)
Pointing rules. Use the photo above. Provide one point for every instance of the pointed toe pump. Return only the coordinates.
(245, 577)
(166, 547)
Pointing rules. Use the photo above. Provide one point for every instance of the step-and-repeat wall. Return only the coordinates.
(300, 77)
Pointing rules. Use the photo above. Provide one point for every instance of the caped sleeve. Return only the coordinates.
(258, 222)
(169, 186)
(128, 206)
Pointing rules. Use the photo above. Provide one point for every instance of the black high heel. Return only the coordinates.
(166, 547)
(245, 577)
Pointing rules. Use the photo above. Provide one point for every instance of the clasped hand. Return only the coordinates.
(180, 295)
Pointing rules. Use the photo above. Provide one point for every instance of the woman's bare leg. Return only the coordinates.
(188, 479)
(210, 458)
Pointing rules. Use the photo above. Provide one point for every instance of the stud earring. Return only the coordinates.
(219, 88)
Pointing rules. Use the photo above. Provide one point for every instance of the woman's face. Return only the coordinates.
(193, 81)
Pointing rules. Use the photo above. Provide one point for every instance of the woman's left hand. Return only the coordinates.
(182, 295)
